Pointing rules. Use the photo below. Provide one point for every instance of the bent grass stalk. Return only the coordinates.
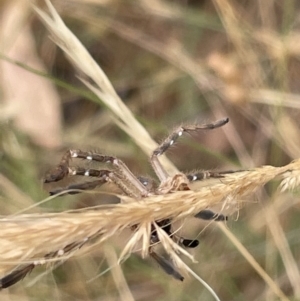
(26, 237)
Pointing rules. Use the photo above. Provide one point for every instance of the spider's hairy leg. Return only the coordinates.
(203, 175)
(208, 174)
(103, 176)
(60, 171)
(122, 171)
(166, 266)
(110, 176)
(16, 276)
(171, 139)
(121, 175)
(166, 225)
(210, 215)
(188, 243)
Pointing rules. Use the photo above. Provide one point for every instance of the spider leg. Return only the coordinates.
(167, 227)
(166, 266)
(123, 171)
(170, 140)
(18, 274)
(121, 176)
(165, 224)
(203, 175)
(189, 243)
(101, 174)
(208, 174)
(104, 177)
(60, 171)
(210, 215)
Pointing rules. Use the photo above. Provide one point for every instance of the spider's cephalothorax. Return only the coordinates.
(130, 185)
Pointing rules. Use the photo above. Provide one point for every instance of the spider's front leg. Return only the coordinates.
(102, 175)
(120, 174)
(198, 176)
(170, 140)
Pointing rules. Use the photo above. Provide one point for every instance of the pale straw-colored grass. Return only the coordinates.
(29, 237)
(96, 80)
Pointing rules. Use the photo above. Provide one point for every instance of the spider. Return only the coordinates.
(133, 186)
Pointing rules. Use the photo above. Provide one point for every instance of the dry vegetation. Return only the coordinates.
(169, 62)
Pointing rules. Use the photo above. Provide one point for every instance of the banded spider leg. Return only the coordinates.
(121, 175)
(18, 274)
(171, 139)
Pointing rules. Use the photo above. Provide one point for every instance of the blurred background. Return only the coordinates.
(171, 62)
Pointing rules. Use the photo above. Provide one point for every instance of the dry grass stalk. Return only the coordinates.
(29, 237)
(96, 80)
